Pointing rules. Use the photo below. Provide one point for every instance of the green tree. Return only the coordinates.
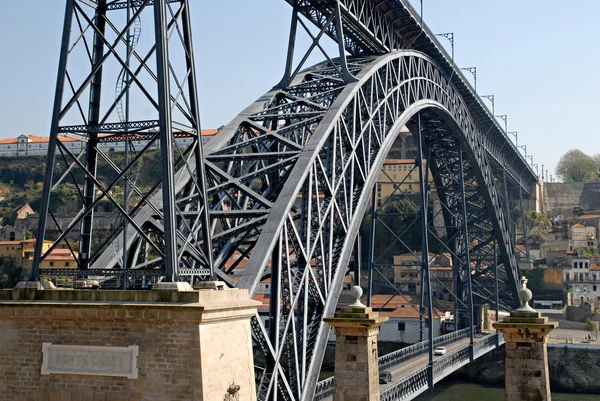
(10, 273)
(596, 159)
(576, 166)
(579, 210)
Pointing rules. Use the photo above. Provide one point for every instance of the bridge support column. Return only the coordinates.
(356, 360)
(526, 333)
(170, 343)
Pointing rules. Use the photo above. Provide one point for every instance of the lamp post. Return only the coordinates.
(472, 70)
(516, 135)
(524, 148)
(491, 99)
(504, 118)
(450, 37)
(542, 173)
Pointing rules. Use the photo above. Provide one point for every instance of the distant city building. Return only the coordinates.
(24, 211)
(407, 277)
(581, 281)
(11, 234)
(32, 145)
(581, 236)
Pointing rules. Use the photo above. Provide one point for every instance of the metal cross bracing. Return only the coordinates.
(380, 26)
(295, 171)
(130, 46)
(288, 181)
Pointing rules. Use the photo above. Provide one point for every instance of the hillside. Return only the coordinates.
(21, 182)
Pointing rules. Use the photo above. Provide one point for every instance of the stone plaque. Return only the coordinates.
(90, 360)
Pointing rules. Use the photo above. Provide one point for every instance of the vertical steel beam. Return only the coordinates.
(507, 204)
(496, 285)
(425, 270)
(126, 158)
(198, 155)
(371, 246)
(346, 75)
(91, 161)
(52, 142)
(523, 223)
(357, 260)
(166, 141)
(275, 292)
(467, 258)
(289, 64)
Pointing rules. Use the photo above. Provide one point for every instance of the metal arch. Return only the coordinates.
(330, 174)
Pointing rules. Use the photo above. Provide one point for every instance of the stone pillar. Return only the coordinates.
(170, 343)
(526, 333)
(356, 360)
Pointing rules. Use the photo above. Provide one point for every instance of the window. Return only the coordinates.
(51, 264)
(567, 277)
(12, 236)
(595, 288)
(576, 288)
(595, 277)
(401, 326)
(412, 287)
(67, 264)
(409, 186)
(267, 323)
(580, 276)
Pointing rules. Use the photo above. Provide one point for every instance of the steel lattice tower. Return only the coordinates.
(143, 49)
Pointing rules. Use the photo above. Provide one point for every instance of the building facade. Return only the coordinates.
(581, 236)
(581, 281)
(32, 145)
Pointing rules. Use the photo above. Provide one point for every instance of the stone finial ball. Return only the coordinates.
(356, 292)
(525, 295)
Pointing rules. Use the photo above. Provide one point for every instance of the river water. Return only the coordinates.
(458, 391)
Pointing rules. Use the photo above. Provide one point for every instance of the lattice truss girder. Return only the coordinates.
(381, 26)
(117, 84)
(292, 215)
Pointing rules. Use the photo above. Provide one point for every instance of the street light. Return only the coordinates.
(504, 118)
(450, 37)
(491, 99)
(472, 70)
(524, 148)
(516, 135)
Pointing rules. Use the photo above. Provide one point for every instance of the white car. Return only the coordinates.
(439, 351)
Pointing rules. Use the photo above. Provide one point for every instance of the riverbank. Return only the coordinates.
(452, 390)
(573, 369)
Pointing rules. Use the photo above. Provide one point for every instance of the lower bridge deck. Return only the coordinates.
(409, 366)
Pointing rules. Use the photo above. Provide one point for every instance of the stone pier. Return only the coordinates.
(526, 333)
(356, 360)
(171, 343)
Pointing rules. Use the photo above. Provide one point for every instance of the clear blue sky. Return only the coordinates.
(538, 57)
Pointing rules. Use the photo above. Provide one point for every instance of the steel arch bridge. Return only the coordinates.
(288, 181)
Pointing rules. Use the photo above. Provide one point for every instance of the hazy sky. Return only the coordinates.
(538, 57)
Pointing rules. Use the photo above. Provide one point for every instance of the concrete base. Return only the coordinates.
(356, 358)
(527, 374)
(161, 345)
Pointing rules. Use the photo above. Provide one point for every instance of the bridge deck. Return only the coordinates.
(409, 375)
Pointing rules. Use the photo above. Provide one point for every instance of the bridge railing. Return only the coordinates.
(447, 364)
(393, 358)
(324, 388)
(407, 388)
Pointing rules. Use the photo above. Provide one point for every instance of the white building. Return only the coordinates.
(582, 281)
(32, 145)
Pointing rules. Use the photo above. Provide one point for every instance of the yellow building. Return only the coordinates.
(59, 259)
(408, 279)
(397, 178)
(21, 251)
